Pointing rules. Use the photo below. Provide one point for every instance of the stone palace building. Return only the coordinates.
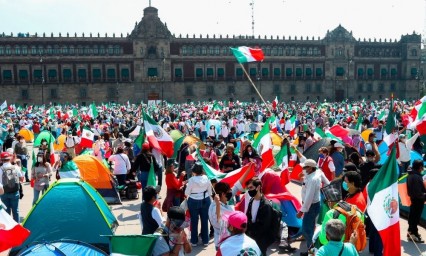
(151, 63)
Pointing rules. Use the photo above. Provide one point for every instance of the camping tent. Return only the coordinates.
(61, 247)
(70, 209)
(96, 174)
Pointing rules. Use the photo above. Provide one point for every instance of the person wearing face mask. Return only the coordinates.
(65, 167)
(150, 214)
(336, 154)
(310, 200)
(230, 161)
(352, 184)
(210, 156)
(405, 147)
(334, 230)
(367, 166)
(40, 172)
(325, 162)
(250, 155)
(21, 152)
(238, 243)
(172, 239)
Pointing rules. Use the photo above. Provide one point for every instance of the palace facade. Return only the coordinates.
(151, 63)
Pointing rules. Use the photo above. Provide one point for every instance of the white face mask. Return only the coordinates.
(39, 159)
(250, 152)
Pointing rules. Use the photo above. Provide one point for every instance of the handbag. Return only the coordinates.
(184, 205)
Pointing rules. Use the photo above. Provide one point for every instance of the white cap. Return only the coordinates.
(338, 145)
(309, 163)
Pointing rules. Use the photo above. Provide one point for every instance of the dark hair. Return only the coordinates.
(221, 187)
(148, 193)
(354, 177)
(255, 181)
(119, 150)
(418, 164)
(176, 213)
(69, 157)
(373, 173)
(355, 158)
(370, 153)
(197, 168)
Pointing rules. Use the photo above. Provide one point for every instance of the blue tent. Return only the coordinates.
(70, 209)
(61, 247)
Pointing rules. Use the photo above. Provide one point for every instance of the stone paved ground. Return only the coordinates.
(127, 216)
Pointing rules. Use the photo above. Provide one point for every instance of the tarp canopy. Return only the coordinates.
(70, 209)
(62, 247)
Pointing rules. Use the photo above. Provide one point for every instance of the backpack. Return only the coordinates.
(10, 180)
(275, 221)
(353, 224)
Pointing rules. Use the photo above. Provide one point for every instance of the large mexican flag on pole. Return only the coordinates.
(157, 137)
(383, 205)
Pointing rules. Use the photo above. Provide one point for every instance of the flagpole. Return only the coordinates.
(254, 86)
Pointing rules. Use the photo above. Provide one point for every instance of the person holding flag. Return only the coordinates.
(142, 164)
(417, 193)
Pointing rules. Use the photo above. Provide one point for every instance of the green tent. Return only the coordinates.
(137, 245)
(71, 209)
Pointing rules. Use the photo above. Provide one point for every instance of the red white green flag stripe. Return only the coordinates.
(383, 205)
(157, 137)
(264, 145)
(11, 233)
(245, 54)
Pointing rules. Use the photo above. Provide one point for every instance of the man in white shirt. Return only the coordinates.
(70, 143)
(310, 200)
(405, 147)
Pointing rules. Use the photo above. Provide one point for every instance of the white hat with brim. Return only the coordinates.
(309, 163)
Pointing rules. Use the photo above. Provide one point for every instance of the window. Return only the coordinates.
(360, 88)
(110, 50)
(52, 74)
(1, 50)
(33, 50)
(56, 50)
(288, 72)
(8, 50)
(265, 72)
(152, 72)
(413, 72)
(24, 50)
(253, 72)
(190, 50)
(340, 71)
(318, 88)
(210, 90)
(210, 72)
(95, 50)
(82, 75)
(204, 50)
(7, 75)
(24, 94)
(383, 72)
(38, 75)
(277, 72)
(111, 74)
(318, 72)
(72, 50)
(53, 93)
(308, 88)
(83, 93)
(199, 72)
(125, 74)
(189, 91)
(17, 50)
(102, 50)
(231, 89)
(217, 50)
(211, 50)
(308, 72)
(413, 52)
(393, 72)
(117, 50)
(65, 50)
(87, 50)
(178, 72)
(220, 72)
(49, 50)
(239, 72)
(23, 75)
(96, 74)
(184, 52)
(66, 74)
(360, 72)
(370, 72)
(299, 72)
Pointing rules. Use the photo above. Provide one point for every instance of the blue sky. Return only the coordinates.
(365, 18)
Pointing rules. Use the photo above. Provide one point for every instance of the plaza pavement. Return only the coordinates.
(127, 216)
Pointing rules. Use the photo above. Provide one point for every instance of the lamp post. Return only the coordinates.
(162, 81)
(42, 79)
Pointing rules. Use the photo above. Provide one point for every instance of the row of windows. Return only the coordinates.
(380, 52)
(268, 51)
(52, 75)
(377, 88)
(52, 93)
(369, 72)
(61, 50)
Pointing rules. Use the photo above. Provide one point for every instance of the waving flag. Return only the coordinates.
(418, 115)
(275, 103)
(157, 137)
(246, 54)
(11, 233)
(383, 202)
(263, 143)
(87, 138)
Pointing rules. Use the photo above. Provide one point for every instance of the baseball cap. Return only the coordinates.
(309, 163)
(5, 155)
(338, 145)
(402, 136)
(238, 220)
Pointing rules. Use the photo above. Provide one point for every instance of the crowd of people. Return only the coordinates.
(240, 218)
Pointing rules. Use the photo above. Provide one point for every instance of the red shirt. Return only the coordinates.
(172, 182)
(358, 200)
(36, 128)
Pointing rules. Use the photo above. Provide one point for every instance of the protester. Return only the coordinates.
(40, 172)
(150, 214)
(70, 143)
(325, 162)
(229, 161)
(335, 229)
(405, 147)
(21, 152)
(336, 154)
(417, 194)
(142, 164)
(65, 167)
(352, 183)
(121, 165)
(174, 194)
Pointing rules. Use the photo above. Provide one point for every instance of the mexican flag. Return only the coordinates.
(87, 137)
(382, 200)
(282, 160)
(157, 137)
(11, 233)
(93, 112)
(339, 131)
(264, 145)
(418, 116)
(152, 181)
(275, 103)
(293, 126)
(358, 126)
(390, 135)
(245, 54)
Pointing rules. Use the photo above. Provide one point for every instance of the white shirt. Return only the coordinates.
(405, 149)
(239, 245)
(121, 163)
(156, 215)
(196, 187)
(255, 205)
(71, 141)
(311, 190)
(219, 225)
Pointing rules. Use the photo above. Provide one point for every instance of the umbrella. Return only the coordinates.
(176, 134)
(27, 134)
(59, 143)
(312, 151)
(191, 140)
(354, 132)
(365, 134)
(44, 135)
